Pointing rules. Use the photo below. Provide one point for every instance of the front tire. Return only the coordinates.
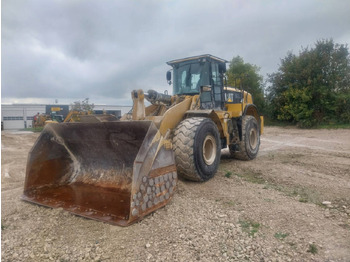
(248, 147)
(197, 148)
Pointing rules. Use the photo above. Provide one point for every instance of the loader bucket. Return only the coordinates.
(116, 172)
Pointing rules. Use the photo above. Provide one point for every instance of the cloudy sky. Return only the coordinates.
(70, 49)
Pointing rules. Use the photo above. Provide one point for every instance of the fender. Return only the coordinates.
(252, 110)
(212, 114)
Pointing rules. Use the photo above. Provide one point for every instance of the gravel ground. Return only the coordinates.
(292, 203)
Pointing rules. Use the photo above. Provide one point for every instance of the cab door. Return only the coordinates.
(217, 86)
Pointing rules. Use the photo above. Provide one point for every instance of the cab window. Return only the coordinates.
(233, 97)
(215, 74)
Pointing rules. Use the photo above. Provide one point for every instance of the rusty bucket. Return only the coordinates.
(116, 172)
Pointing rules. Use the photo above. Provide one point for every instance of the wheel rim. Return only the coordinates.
(209, 150)
(253, 138)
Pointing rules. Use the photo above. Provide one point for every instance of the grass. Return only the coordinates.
(312, 249)
(249, 176)
(254, 177)
(270, 122)
(345, 226)
(274, 187)
(250, 227)
(271, 156)
(280, 235)
(292, 158)
(228, 174)
(229, 203)
(305, 195)
(33, 129)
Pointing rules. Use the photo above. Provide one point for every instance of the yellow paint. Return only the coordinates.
(51, 121)
(174, 115)
(167, 118)
(261, 125)
(55, 109)
(234, 109)
(138, 112)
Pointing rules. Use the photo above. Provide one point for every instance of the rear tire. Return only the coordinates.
(248, 148)
(197, 148)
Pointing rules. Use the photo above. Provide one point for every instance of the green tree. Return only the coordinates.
(246, 76)
(83, 106)
(312, 87)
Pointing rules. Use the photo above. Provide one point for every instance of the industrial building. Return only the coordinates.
(19, 116)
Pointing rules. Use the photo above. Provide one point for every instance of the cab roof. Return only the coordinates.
(211, 57)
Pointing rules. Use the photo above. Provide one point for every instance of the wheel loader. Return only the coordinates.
(120, 171)
(88, 117)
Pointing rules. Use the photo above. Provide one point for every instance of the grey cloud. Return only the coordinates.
(104, 49)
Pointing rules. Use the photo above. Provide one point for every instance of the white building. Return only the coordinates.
(19, 116)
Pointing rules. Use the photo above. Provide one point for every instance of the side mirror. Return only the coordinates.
(168, 77)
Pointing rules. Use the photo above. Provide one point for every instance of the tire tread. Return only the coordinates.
(183, 146)
(243, 153)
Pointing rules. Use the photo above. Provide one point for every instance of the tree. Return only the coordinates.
(246, 76)
(312, 87)
(83, 106)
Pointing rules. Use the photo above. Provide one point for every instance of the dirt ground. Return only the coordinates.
(270, 209)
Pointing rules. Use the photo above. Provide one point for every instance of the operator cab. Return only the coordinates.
(202, 75)
(55, 117)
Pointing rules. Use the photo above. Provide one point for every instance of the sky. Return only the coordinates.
(69, 50)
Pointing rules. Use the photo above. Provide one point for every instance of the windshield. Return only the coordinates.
(188, 78)
(233, 97)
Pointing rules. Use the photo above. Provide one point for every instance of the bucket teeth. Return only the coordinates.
(154, 192)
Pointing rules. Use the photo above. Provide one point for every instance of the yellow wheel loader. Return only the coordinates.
(120, 171)
(88, 117)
